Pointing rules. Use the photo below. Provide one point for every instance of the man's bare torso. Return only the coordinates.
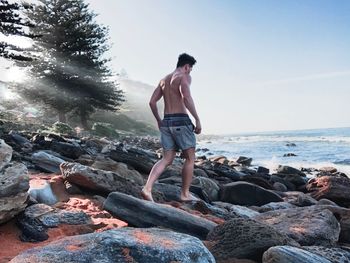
(173, 101)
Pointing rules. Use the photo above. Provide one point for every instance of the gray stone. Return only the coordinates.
(309, 226)
(14, 184)
(99, 180)
(333, 254)
(121, 245)
(143, 213)
(5, 154)
(209, 189)
(242, 193)
(244, 238)
(47, 162)
(289, 254)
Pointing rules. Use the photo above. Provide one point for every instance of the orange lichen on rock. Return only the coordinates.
(149, 239)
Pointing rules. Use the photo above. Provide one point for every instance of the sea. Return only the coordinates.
(314, 148)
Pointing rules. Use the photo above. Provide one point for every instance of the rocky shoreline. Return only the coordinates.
(71, 199)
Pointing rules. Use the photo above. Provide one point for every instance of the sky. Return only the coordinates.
(262, 65)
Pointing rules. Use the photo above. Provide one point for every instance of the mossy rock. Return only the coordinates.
(104, 130)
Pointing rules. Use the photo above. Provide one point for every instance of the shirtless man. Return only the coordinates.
(177, 130)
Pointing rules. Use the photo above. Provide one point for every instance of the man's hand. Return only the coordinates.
(198, 128)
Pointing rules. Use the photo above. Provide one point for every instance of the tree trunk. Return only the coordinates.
(62, 117)
(83, 120)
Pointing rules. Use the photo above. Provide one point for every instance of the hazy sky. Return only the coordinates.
(262, 64)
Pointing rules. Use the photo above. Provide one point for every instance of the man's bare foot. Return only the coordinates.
(146, 195)
(188, 198)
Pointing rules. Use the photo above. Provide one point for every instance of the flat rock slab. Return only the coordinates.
(244, 238)
(309, 226)
(141, 213)
(242, 193)
(123, 245)
(288, 254)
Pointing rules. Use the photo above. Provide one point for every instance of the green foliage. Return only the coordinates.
(104, 130)
(13, 23)
(62, 128)
(70, 74)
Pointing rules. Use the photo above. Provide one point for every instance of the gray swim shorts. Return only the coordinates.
(177, 132)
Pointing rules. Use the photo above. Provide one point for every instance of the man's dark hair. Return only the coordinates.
(185, 59)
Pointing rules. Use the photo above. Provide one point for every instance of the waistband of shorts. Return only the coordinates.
(176, 115)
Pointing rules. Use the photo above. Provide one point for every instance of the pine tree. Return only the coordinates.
(70, 74)
(12, 23)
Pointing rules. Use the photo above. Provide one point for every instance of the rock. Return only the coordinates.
(295, 179)
(121, 245)
(280, 187)
(242, 193)
(14, 184)
(108, 164)
(336, 189)
(36, 219)
(67, 149)
(41, 191)
(141, 213)
(291, 144)
(326, 202)
(289, 155)
(72, 188)
(219, 159)
(277, 179)
(209, 189)
(242, 211)
(328, 170)
(244, 238)
(275, 206)
(5, 154)
(98, 180)
(288, 254)
(140, 160)
(333, 254)
(263, 170)
(284, 169)
(310, 226)
(59, 189)
(244, 160)
(47, 162)
(170, 192)
(258, 180)
(227, 171)
(199, 172)
(299, 199)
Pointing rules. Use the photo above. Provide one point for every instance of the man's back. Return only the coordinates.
(173, 101)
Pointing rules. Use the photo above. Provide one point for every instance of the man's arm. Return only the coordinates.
(188, 101)
(156, 96)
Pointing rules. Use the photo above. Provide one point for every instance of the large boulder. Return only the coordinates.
(121, 245)
(108, 164)
(334, 188)
(309, 226)
(284, 169)
(243, 193)
(289, 254)
(143, 213)
(5, 154)
(14, 184)
(244, 238)
(99, 180)
(333, 254)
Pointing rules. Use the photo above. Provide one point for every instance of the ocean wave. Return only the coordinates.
(286, 139)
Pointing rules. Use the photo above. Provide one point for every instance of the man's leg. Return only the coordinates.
(187, 173)
(157, 169)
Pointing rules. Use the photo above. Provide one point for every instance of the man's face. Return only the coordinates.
(188, 68)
